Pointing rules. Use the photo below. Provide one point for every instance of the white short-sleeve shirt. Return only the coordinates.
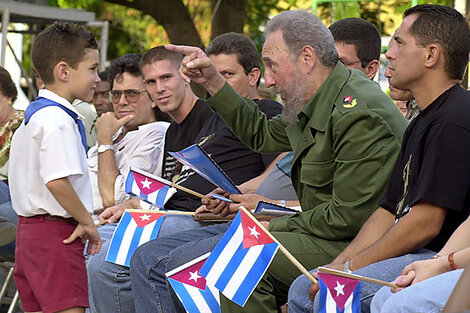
(48, 148)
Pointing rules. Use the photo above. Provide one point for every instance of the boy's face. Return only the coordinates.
(165, 85)
(84, 79)
(234, 74)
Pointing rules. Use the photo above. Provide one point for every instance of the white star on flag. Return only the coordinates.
(253, 231)
(339, 289)
(145, 217)
(146, 183)
(194, 276)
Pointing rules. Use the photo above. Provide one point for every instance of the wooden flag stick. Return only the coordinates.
(101, 223)
(282, 248)
(162, 212)
(353, 276)
(194, 193)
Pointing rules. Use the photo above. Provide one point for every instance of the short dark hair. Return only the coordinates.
(7, 86)
(448, 28)
(66, 42)
(159, 53)
(104, 75)
(361, 34)
(128, 63)
(239, 45)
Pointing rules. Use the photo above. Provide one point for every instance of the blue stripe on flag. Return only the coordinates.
(323, 296)
(220, 246)
(356, 304)
(161, 195)
(253, 276)
(156, 228)
(134, 244)
(210, 299)
(231, 267)
(184, 296)
(118, 233)
(129, 182)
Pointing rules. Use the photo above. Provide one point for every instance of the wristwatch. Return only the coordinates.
(103, 148)
(347, 268)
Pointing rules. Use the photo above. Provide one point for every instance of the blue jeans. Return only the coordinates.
(428, 296)
(153, 259)
(109, 284)
(386, 270)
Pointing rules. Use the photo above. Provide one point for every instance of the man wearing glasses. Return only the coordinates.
(132, 135)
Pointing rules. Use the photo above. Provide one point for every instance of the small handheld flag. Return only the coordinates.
(148, 187)
(196, 295)
(339, 294)
(134, 229)
(240, 259)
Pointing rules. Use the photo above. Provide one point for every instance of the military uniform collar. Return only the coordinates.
(321, 105)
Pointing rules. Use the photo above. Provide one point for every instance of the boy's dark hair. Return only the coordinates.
(159, 53)
(238, 44)
(104, 75)
(129, 63)
(7, 86)
(60, 42)
(361, 34)
(448, 28)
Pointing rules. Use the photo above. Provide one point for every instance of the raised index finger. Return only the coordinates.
(182, 49)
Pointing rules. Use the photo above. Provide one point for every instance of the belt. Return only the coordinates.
(49, 217)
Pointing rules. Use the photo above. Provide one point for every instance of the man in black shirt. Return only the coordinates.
(428, 196)
(193, 122)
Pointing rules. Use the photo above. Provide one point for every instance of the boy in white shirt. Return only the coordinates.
(49, 182)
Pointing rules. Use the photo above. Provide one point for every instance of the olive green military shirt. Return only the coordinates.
(345, 144)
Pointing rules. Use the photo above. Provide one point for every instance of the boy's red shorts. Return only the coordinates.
(50, 276)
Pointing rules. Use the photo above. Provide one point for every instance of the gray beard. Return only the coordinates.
(292, 108)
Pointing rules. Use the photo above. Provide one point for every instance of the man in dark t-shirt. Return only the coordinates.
(428, 195)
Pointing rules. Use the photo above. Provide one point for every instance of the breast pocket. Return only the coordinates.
(318, 174)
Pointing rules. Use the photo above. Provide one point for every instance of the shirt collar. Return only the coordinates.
(320, 106)
(46, 93)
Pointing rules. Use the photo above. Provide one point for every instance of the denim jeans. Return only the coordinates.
(153, 259)
(428, 296)
(6, 211)
(109, 284)
(386, 270)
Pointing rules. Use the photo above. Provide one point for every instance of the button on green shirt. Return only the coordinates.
(345, 144)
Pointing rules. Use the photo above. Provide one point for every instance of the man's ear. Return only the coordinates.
(307, 58)
(371, 68)
(433, 55)
(184, 77)
(61, 71)
(254, 76)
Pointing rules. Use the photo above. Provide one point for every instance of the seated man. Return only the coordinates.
(339, 168)
(101, 98)
(193, 122)
(428, 193)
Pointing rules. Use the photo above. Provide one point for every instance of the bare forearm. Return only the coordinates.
(372, 230)
(107, 174)
(64, 193)
(412, 232)
(458, 240)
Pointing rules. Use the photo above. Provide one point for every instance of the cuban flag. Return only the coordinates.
(196, 295)
(135, 228)
(339, 294)
(147, 187)
(240, 259)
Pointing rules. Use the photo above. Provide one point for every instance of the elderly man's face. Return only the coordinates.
(282, 72)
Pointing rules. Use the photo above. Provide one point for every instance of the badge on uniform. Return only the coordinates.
(349, 102)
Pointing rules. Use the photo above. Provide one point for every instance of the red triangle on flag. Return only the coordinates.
(190, 276)
(253, 235)
(340, 287)
(146, 184)
(143, 219)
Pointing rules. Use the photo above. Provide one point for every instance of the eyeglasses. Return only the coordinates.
(132, 95)
(349, 63)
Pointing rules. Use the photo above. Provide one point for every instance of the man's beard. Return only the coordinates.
(295, 103)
